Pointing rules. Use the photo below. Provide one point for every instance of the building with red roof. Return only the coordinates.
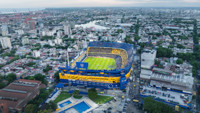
(18, 93)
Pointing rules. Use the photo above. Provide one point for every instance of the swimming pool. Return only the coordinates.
(65, 103)
(80, 107)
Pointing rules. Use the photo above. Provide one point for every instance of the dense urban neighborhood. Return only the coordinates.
(40, 50)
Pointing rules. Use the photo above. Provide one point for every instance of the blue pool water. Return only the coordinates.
(65, 103)
(81, 107)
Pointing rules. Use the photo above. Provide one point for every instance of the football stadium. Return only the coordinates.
(104, 65)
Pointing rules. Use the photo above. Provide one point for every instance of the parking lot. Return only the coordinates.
(172, 96)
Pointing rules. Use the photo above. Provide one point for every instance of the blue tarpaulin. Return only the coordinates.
(59, 85)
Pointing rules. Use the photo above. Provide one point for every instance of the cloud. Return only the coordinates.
(191, 1)
(95, 3)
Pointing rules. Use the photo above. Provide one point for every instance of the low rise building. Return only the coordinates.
(18, 93)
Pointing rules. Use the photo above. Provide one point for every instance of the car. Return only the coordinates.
(138, 80)
(135, 100)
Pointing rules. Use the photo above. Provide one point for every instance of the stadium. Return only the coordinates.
(104, 65)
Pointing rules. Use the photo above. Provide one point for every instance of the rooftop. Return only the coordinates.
(17, 94)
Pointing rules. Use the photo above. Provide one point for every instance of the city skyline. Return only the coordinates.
(97, 3)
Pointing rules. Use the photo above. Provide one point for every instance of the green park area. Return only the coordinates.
(99, 99)
(102, 99)
(92, 94)
(63, 95)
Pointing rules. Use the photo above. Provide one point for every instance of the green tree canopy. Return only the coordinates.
(45, 111)
(38, 77)
(180, 46)
(30, 108)
(152, 106)
(92, 93)
(2, 85)
(179, 61)
(41, 78)
(128, 40)
(48, 68)
(11, 77)
(164, 52)
(56, 75)
(52, 105)
(76, 92)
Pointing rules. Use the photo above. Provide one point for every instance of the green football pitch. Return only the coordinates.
(100, 63)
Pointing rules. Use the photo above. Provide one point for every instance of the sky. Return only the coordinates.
(97, 3)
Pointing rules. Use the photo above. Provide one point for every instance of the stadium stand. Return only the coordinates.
(106, 79)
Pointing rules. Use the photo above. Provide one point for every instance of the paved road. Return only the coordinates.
(132, 107)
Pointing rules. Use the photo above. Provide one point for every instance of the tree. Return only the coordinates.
(47, 46)
(44, 94)
(56, 75)
(137, 27)
(47, 38)
(11, 77)
(51, 105)
(30, 64)
(136, 38)
(45, 111)
(76, 93)
(152, 106)
(14, 59)
(2, 85)
(47, 69)
(180, 46)
(30, 108)
(120, 31)
(29, 78)
(128, 40)
(41, 78)
(179, 61)
(186, 56)
(164, 52)
(38, 77)
(92, 93)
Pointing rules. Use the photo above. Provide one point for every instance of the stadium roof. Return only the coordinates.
(59, 85)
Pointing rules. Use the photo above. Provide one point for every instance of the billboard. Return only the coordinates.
(82, 65)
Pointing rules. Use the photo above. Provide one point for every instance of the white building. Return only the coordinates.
(4, 30)
(36, 53)
(25, 40)
(5, 42)
(59, 34)
(67, 30)
(50, 42)
(85, 44)
(19, 32)
(147, 59)
(58, 41)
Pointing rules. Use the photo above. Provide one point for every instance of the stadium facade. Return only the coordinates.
(78, 73)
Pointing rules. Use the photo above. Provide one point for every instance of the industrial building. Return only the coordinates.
(17, 94)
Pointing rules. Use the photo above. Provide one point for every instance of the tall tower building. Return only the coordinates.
(32, 25)
(67, 30)
(4, 30)
(5, 42)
